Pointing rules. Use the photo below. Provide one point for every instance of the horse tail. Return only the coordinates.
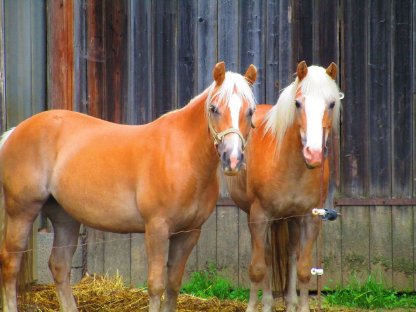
(279, 238)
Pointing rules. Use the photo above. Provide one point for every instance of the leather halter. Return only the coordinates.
(219, 136)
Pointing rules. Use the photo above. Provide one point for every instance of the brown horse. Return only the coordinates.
(159, 179)
(281, 181)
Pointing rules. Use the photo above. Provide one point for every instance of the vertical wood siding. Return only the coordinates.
(132, 61)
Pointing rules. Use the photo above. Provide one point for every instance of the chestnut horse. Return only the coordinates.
(159, 179)
(281, 181)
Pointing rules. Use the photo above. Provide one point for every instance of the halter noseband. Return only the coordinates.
(219, 136)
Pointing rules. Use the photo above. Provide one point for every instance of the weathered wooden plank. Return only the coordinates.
(187, 51)
(38, 56)
(402, 231)
(303, 25)
(17, 42)
(252, 45)
(117, 256)
(228, 29)
(3, 112)
(381, 243)
(402, 150)
(138, 260)
(379, 136)
(207, 42)
(326, 40)
(140, 63)
(279, 62)
(95, 251)
(115, 84)
(164, 56)
(244, 250)
(207, 244)
(354, 152)
(227, 242)
(414, 136)
(80, 57)
(96, 58)
(60, 54)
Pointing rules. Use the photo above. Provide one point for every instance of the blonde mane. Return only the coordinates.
(316, 83)
(232, 82)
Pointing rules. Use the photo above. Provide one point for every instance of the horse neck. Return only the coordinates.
(194, 120)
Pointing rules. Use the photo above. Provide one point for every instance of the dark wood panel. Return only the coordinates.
(207, 42)
(96, 58)
(279, 60)
(326, 39)
(303, 26)
(187, 51)
(379, 98)
(252, 33)
(115, 87)
(354, 128)
(164, 57)
(228, 29)
(401, 102)
(140, 63)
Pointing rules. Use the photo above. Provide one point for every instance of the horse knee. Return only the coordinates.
(257, 272)
(60, 271)
(304, 273)
(156, 287)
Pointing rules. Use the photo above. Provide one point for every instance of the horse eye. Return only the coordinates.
(332, 105)
(250, 112)
(214, 109)
(298, 104)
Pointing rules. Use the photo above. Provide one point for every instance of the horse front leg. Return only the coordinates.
(180, 248)
(291, 296)
(258, 225)
(310, 228)
(157, 240)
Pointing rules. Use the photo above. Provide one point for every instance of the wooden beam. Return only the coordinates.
(60, 53)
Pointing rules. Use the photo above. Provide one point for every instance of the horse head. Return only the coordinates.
(317, 102)
(230, 106)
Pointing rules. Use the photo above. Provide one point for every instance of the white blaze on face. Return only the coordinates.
(235, 106)
(314, 109)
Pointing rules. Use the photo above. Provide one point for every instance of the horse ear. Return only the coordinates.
(219, 73)
(332, 70)
(251, 74)
(302, 70)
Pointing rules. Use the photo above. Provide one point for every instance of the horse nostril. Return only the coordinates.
(224, 157)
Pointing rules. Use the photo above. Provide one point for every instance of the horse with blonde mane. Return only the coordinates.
(159, 179)
(281, 184)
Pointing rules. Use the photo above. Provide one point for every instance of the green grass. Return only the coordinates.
(371, 294)
(208, 284)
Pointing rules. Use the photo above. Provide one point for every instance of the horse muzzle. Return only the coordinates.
(231, 164)
(312, 157)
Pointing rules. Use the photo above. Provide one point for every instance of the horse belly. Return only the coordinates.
(104, 211)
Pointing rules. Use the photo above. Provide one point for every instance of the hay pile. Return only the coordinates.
(96, 293)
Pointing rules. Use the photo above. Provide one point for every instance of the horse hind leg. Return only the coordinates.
(65, 243)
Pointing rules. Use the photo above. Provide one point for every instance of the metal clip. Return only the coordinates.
(317, 271)
(326, 213)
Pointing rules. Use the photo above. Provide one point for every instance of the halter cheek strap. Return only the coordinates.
(219, 136)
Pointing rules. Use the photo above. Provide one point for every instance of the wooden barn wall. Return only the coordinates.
(132, 61)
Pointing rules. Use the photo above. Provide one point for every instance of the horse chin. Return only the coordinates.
(231, 173)
(313, 165)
